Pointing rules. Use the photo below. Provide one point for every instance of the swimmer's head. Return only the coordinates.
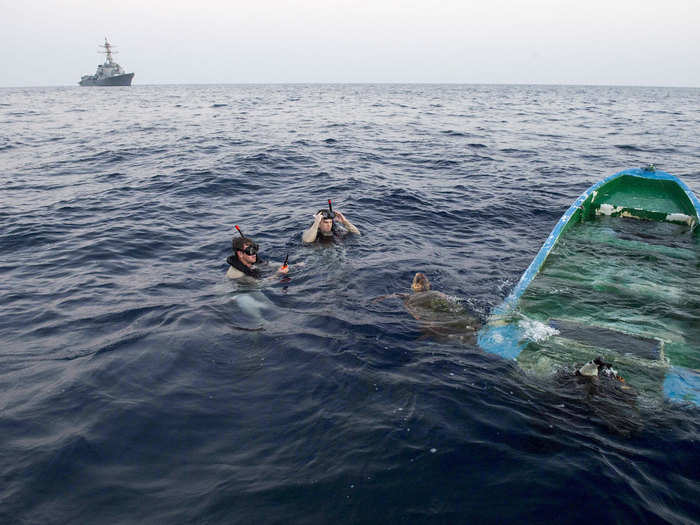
(326, 224)
(246, 246)
(420, 283)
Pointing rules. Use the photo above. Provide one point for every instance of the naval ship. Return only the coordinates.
(108, 74)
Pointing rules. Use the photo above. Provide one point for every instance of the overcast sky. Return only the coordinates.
(613, 42)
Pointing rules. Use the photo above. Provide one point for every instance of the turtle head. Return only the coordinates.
(420, 283)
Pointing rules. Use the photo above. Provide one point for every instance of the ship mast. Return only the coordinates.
(108, 51)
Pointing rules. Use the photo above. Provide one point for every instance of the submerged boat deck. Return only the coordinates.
(625, 289)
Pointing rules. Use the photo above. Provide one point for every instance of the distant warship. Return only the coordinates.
(108, 74)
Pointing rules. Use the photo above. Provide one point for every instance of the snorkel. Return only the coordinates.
(251, 249)
(284, 264)
(330, 208)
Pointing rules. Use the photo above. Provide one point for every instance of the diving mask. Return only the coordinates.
(250, 249)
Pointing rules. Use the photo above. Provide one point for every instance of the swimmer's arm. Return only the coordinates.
(309, 235)
(274, 276)
(348, 225)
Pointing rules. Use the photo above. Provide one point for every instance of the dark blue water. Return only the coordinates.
(128, 393)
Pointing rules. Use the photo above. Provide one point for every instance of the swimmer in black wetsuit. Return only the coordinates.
(324, 227)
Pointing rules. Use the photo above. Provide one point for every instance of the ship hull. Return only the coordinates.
(117, 80)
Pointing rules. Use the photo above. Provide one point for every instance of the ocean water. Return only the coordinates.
(132, 391)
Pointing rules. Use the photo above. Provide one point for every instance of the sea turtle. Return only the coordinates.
(439, 315)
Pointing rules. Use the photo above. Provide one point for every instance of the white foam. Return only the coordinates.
(536, 331)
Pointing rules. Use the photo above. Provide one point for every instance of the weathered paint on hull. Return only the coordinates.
(646, 195)
(118, 80)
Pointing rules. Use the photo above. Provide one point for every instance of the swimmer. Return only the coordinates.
(439, 314)
(324, 227)
(245, 262)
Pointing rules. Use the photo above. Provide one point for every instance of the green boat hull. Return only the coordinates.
(604, 285)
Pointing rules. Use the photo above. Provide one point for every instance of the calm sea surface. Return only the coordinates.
(129, 392)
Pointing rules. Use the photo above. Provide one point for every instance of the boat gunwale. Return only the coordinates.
(533, 269)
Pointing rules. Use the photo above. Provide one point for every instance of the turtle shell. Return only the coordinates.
(441, 314)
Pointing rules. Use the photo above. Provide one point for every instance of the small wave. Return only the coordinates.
(22, 113)
(476, 145)
(480, 158)
(219, 105)
(443, 163)
(628, 147)
(330, 141)
(407, 198)
(517, 152)
(113, 176)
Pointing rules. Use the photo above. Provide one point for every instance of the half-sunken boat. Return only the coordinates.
(108, 74)
(605, 285)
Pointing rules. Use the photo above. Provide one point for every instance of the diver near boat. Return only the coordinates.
(245, 261)
(324, 227)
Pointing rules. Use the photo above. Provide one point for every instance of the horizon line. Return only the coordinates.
(362, 83)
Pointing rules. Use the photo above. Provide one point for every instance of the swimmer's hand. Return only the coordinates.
(317, 218)
(285, 267)
(345, 222)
